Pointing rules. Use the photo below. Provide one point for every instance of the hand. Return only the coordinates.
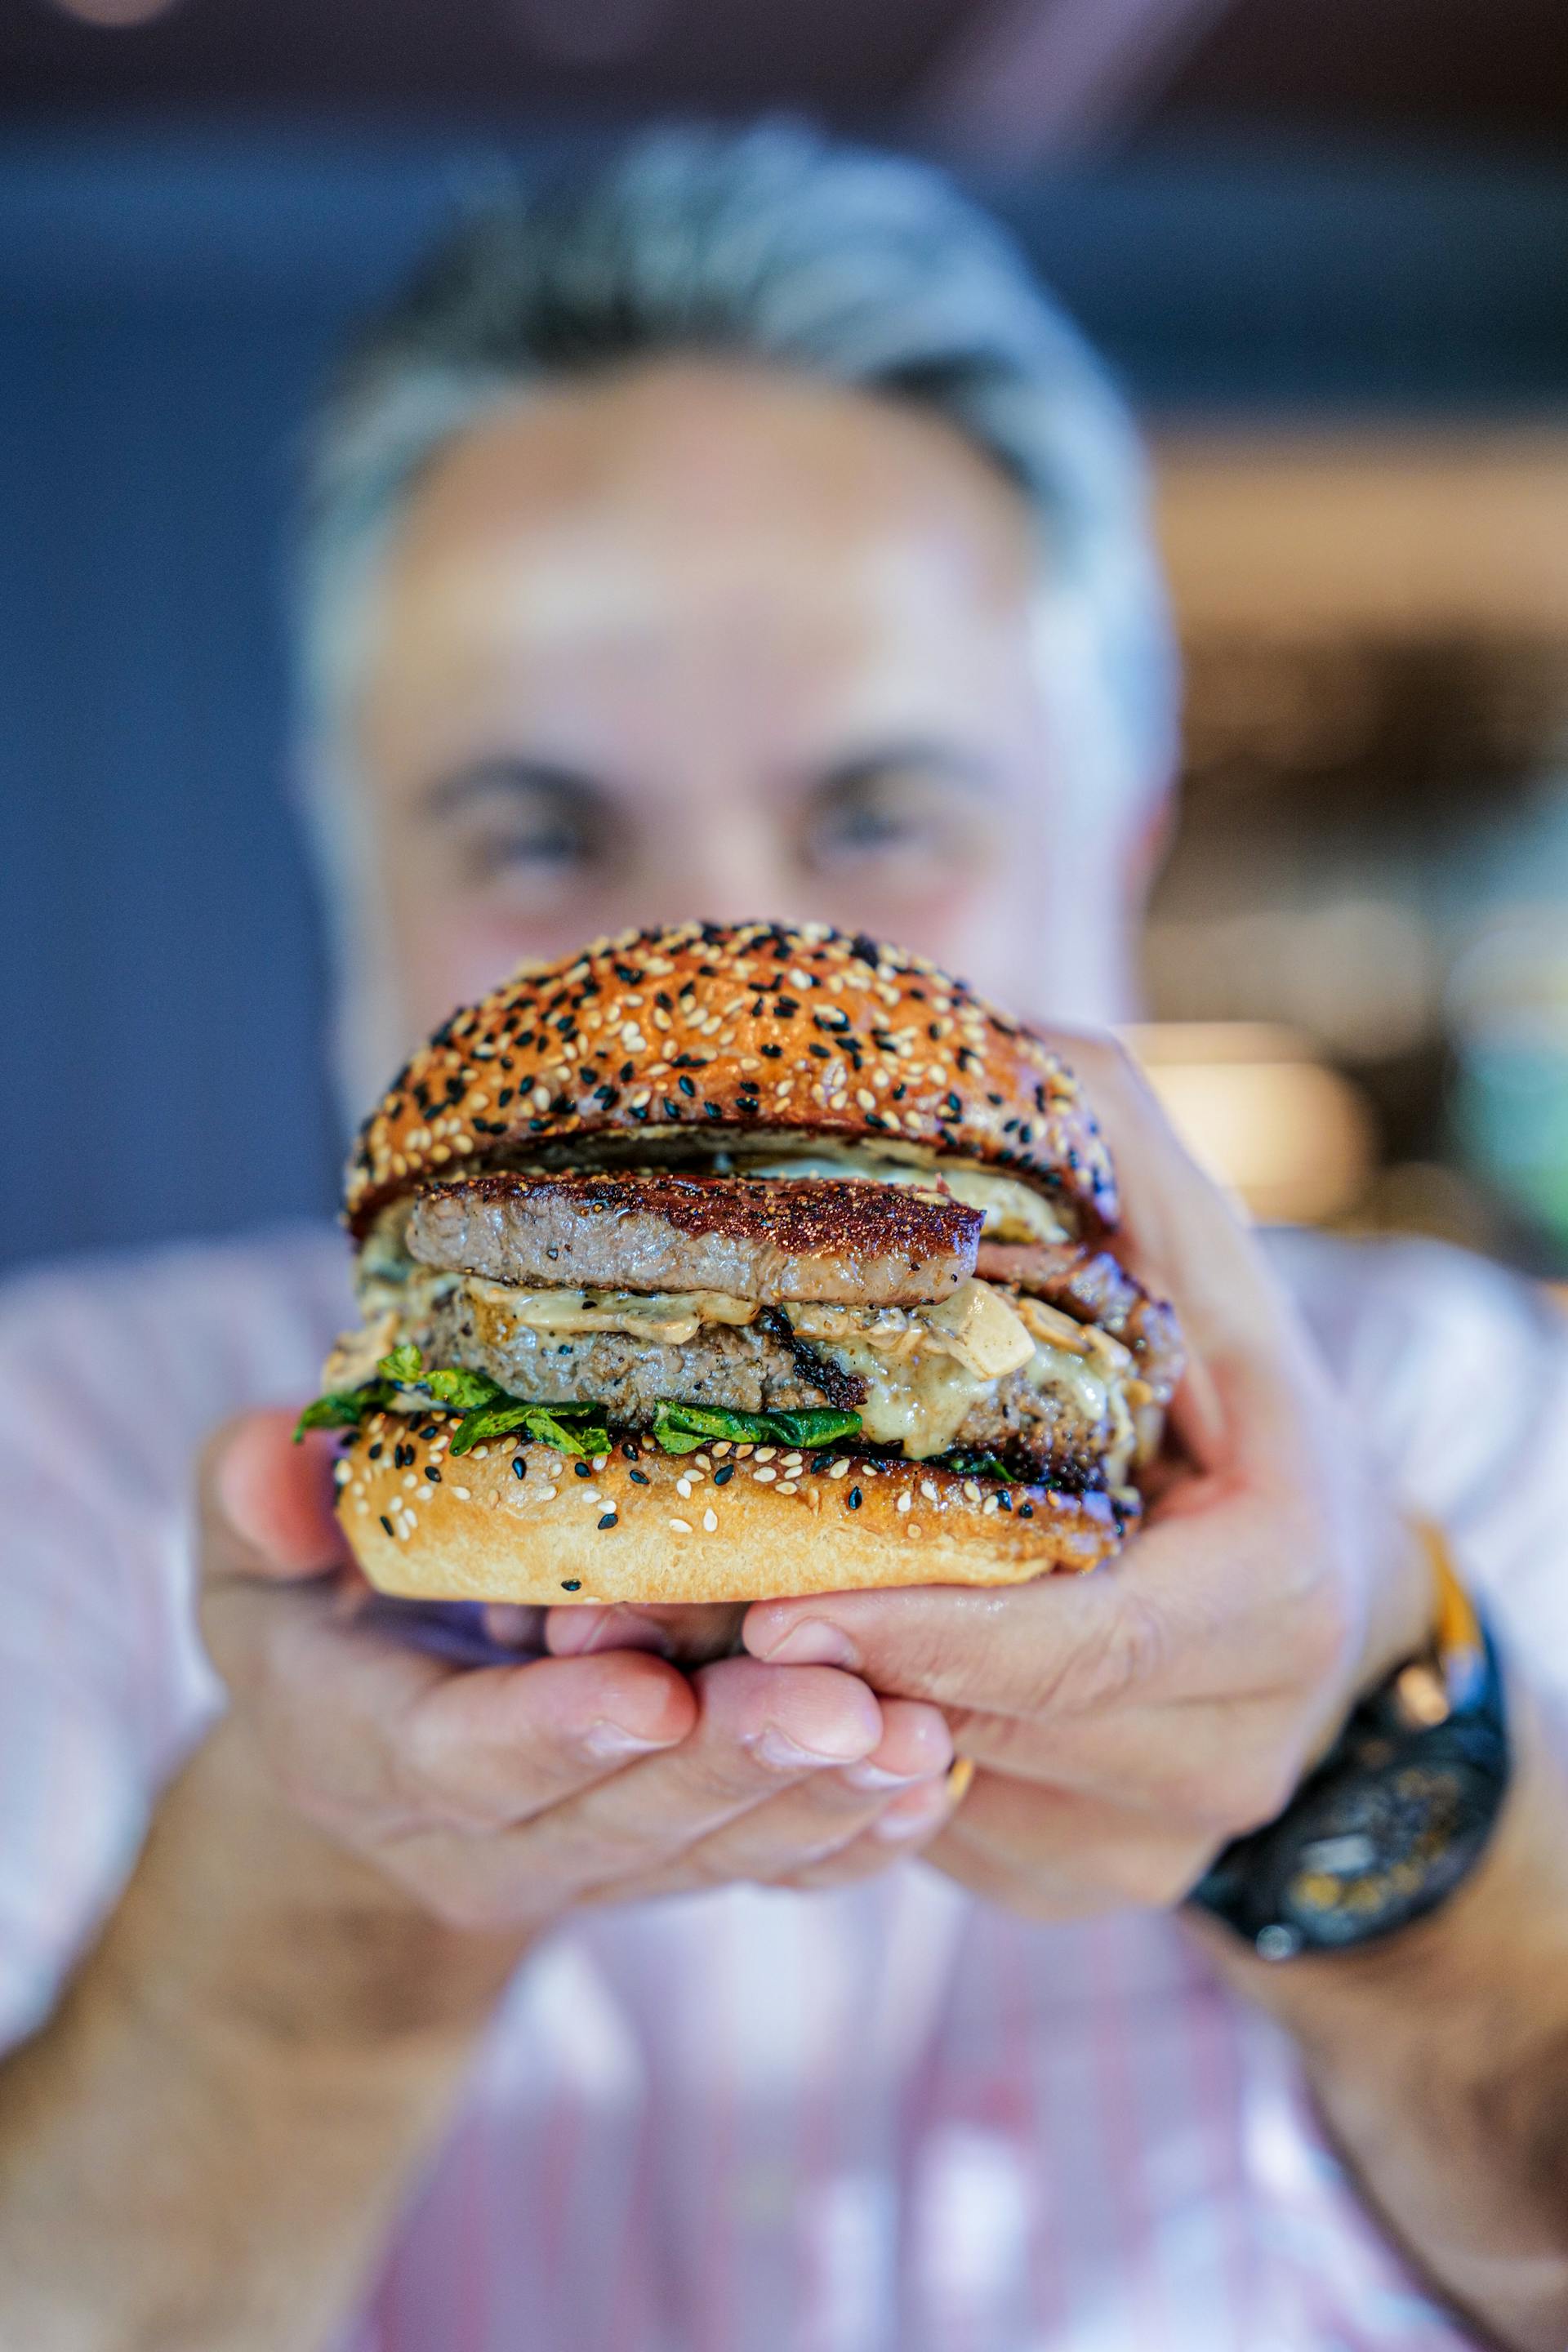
(498, 1798)
(1128, 1723)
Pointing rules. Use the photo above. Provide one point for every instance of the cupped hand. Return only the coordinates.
(501, 1797)
(1128, 1723)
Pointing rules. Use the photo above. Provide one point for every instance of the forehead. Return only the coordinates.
(626, 508)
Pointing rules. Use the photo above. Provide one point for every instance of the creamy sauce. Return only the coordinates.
(670, 1316)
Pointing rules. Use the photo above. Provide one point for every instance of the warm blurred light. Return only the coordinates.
(589, 32)
(114, 14)
(1292, 1138)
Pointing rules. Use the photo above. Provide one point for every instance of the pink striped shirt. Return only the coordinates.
(887, 2120)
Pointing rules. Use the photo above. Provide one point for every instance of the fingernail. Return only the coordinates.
(511, 1626)
(876, 1776)
(612, 1740)
(573, 1632)
(776, 1747)
(814, 1644)
(913, 1815)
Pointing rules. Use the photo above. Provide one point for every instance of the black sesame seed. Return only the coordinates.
(629, 973)
(432, 1474)
(638, 1478)
(853, 1498)
(773, 1053)
(571, 1584)
(993, 1098)
(686, 1085)
(629, 1450)
(608, 1520)
(427, 1432)
(582, 1470)
(712, 1110)
(1026, 1510)
(785, 1007)
(518, 1466)
(953, 1107)
(823, 1053)
(386, 1523)
(624, 1073)
(722, 1475)
(1004, 1500)
(671, 1107)
(375, 1451)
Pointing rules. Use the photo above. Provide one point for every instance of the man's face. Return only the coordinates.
(701, 641)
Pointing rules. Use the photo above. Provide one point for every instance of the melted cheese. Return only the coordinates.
(671, 1315)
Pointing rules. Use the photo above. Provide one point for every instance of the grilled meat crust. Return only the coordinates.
(1094, 1287)
(745, 1366)
(772, 1239)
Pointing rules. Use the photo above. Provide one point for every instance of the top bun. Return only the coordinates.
(719, 1029)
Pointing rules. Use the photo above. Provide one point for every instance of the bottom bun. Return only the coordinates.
(515, 1521)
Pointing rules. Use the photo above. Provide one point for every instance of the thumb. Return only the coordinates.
(266, 1504)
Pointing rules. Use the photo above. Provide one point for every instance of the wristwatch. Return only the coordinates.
(1397, 1814)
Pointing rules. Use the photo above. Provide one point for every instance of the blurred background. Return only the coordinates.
(1325, 242)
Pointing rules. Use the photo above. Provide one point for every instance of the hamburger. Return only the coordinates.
(716, 1263)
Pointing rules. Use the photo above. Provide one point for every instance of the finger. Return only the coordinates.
(1187, 1239)
(376, 1738)
(265, 1504)
(803, 1834)
(758, 1730)
(493, 1749)
(1062, 1641)
(1223, 1766)
(1052, 1854)
(695, 1633)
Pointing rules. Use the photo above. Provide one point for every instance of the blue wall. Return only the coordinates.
(166, 303)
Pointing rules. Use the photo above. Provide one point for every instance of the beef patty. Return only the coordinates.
(770, 1238)
(1092, 1286)
(748, 1368)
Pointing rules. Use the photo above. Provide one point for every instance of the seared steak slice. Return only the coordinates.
(1094, 1287)
(769, 1238)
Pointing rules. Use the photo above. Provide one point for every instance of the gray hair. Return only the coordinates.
(770, 246)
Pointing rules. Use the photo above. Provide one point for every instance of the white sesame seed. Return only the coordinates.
(764, 1476)
(588, 1496)
(552, 1468)
(742, 1451)
(599, 1463)
(721, 1448)
(409, 1521)
(683, 1488)
(711, 1521)
(409, 1482)
(928, 1488)
(972, 1492)
(766, 1452)
(786, 1485)
(462, 1494)
(681, 1526)
(540, 1494)
(701, 1462)
(839, 1469)
(990, 1506)
(902, 1503)
(866, 1098)
(362, 1509)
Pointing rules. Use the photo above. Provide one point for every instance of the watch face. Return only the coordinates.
(1388, 1825)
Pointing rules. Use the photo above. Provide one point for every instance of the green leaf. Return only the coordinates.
(567, 1429)
(453, 1384)
(978, 1465)
(404, 1365)
(815, 1425)
(682, 1428)
(339, 1409)
(570, 1428)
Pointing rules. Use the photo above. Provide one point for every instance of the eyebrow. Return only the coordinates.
(500, 771)
(971, 769)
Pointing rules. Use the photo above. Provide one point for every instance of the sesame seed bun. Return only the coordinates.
(704, 1527)
(702, 1030)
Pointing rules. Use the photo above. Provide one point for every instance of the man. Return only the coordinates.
(744, 536)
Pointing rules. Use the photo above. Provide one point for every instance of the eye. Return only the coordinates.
(895, 812)
(518, 825)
